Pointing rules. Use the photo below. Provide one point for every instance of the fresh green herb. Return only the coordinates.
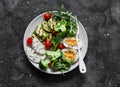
(60, 15)
(65, 22)
(73, 28)
(61, 65)
(62, 34)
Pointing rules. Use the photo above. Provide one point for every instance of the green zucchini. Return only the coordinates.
(45, 27)
(51, 23)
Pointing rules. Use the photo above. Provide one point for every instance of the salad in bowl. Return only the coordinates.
(51, 42)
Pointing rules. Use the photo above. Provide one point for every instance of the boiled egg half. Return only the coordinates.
(70, 42)
(70, 54)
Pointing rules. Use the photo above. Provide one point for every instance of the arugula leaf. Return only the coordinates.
(62, 34)
(60, 15)
(65, 22)
(60, 9)
(61, 65)
(73, 28)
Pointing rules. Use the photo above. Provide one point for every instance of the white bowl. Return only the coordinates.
(38, 20)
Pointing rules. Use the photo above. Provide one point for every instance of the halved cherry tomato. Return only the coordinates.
(61, 46)
(47, 44)
(54, 33)
(50, 64)
(47, 16)
(29, 41)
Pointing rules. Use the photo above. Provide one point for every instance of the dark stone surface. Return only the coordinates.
(101, 19)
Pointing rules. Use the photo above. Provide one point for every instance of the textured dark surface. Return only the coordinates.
(101, 19)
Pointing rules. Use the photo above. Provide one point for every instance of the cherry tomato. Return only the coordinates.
(47, 44)
(47, 16)
(61, 46)
(53, 33)
(47, 39)
(50, 64)
(29, 41)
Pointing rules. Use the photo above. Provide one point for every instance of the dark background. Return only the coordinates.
(101, 19)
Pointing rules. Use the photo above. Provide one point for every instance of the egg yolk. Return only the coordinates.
(71, 41)
(70, 54)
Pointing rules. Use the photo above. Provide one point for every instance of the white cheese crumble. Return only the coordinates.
(36, 52)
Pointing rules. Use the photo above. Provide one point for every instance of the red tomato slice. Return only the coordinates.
(61, 46)
(50, 64)
(47, 44)
(54, 33)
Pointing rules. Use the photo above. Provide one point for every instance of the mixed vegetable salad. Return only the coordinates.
(53, 43)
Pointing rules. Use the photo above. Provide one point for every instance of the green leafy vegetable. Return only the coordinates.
(55, 41)
(65, 22)
(73, 28)
(61, 65)
(62, 34)
(58, 60)
(60, 15)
